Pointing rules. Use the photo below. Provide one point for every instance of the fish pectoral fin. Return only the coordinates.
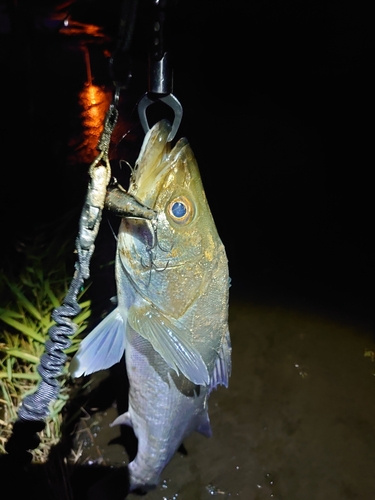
(171, 340)
(102, 348)
(223, 364)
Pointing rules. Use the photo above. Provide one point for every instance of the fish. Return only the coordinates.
(171, 317)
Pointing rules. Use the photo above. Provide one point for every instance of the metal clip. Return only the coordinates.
(171, 101)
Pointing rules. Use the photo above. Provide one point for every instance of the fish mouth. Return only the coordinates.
(155, 159)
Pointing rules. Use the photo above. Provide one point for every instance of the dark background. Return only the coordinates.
(278, 108)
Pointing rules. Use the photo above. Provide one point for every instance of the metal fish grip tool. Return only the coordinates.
(160, 73)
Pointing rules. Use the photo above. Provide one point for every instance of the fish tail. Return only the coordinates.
(140, 479)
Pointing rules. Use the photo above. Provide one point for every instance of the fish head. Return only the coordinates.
(172, 259)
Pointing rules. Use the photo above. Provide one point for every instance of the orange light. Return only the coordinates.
(94, 102)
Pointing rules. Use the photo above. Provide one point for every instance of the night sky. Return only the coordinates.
(278, 108)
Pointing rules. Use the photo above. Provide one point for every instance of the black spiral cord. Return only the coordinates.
(36, 407)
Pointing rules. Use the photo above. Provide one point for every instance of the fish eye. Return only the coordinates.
(180, 210)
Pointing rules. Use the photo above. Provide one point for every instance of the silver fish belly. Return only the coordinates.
(164, 408)
(172, 315)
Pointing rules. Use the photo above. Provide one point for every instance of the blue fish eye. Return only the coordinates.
(178, 209)
(181, 210)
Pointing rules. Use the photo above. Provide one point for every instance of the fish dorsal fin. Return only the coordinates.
(223, 365)
(102, 348)
(171, 340)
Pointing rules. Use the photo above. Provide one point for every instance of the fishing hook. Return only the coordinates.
(149, 249)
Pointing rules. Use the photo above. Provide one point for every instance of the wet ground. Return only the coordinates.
(284, 160)
(296, 422)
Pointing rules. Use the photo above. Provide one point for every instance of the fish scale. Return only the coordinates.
(177, 404)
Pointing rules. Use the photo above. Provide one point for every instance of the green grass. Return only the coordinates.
(29, 291)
